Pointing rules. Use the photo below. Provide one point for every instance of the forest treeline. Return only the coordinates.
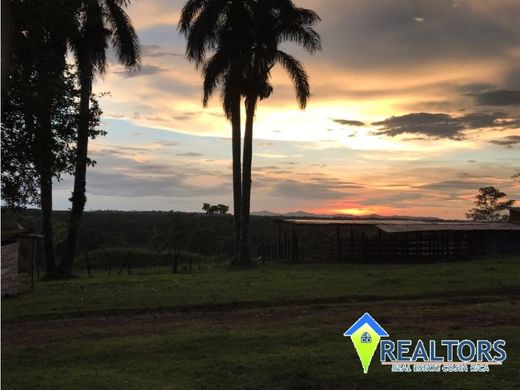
(157, 231)
(53, 51)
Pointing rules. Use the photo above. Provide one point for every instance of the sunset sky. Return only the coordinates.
(415, 105)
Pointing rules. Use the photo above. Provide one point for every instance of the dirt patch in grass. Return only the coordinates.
(427, 315)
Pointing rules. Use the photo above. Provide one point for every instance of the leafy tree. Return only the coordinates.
(222, 208)
(33, 52)
(516, 177)
(97, 23)
(20, 178)
(215, 209)
(489, 206)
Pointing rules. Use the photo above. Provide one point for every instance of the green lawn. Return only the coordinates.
(271, 327)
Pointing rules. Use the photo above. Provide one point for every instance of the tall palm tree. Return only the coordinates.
(98, 23)
(220, 27)
(273, 22)
(243, 37)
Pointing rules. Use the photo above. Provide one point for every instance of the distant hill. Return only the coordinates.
(304, 214)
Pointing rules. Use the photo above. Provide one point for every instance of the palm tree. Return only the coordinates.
(98, 23)
(219, 26)
(243, 37)
(274, 21)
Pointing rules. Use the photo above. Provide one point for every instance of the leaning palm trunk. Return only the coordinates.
(80, 175)
(237, 178)
(245, 254)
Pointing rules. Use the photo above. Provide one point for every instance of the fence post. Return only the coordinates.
(338, 245)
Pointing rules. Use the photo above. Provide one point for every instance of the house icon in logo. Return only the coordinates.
(365, 334)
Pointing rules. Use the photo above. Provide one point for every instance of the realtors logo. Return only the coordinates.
(365, 334)
(407, 356)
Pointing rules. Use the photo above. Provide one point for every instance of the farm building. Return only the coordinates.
(9, 259)
(19, 254)
(342, 240)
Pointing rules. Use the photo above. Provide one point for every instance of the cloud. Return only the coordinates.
(441, 125)
(452, 185)
(145, 70)
(387, 33)
(508, 141)
(189, 154)
(153, 169)
(293, 189)
(502, 97)
(153, 50)
(349, 122)
(118, 150)
(164, 184)
(394, 199)
(165, 142)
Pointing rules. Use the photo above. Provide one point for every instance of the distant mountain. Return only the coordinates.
(304, 214)
(265, 213)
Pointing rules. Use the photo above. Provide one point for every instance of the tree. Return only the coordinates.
(222, 208)
(33, 52)
(516, 177)
(273, 22)
(215, 209)
(20, 178)
(489, 206)
(219, 27)
(97, 23)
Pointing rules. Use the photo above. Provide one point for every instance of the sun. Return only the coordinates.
(354, 211)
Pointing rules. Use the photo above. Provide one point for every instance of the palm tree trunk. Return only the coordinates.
(245, 255)
(80, 175)
(237, 177)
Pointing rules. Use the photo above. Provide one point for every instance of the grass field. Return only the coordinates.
(271, 327)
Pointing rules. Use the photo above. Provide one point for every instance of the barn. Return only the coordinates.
(378, 241)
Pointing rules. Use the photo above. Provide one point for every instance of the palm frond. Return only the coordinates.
(307, 16)
(298, 76)
(230, 92)
(188, 13)
(303, 35)
(202, 34)
(124, 37)
(214, 71)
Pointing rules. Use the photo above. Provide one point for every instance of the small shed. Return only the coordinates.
(9, 260)
(19, 255)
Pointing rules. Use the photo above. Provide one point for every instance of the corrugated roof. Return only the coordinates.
(447, 226)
